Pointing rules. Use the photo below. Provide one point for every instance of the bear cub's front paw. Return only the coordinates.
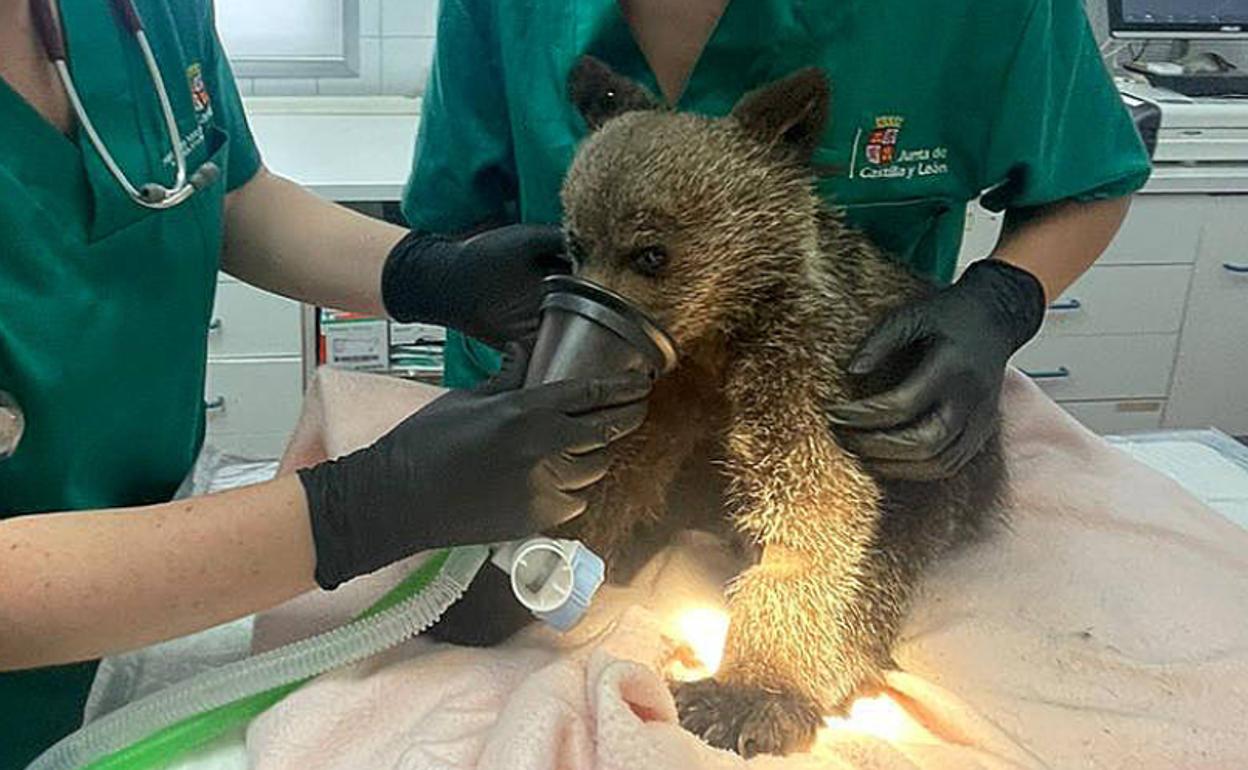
(747, 720)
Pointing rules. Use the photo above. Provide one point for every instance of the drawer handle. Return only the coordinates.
(214, 325)
(215, 405)
(1068, 305)
(1234, 268)
(1060, 373)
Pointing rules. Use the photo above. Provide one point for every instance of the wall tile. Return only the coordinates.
(284, 87)
(405, 64)
(370, 18)
(369, 80)
(408, 18)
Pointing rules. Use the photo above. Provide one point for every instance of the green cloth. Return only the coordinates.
(932, 105)
(104, 305)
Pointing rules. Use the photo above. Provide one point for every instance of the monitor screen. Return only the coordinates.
(1167, 17)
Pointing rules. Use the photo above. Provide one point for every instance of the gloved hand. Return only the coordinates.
(471, 467)
(942, 412)
(487, 286)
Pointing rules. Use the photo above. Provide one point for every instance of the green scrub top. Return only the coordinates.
(933, 103)
(104, 305)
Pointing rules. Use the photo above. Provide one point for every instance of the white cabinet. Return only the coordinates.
(248, 322)
(1100, 367)
(1121, 299)
(1160, 230)
(1211, 373)
(1108, 417)
(1156, 333)
(252, 404)
(254, 386)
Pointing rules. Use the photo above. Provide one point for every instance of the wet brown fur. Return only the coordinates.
(767, 294)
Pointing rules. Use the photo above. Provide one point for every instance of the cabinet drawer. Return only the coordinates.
(1160, 229)
(1106, 417)
(1122, 299)
(251, 396)
(1106, 367)
(1211, 379)
(250, 322)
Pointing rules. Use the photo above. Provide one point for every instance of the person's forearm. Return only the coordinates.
(281, 237)
(75, 586)
(1059, 243)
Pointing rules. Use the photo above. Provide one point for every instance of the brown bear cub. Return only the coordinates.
(712, 226)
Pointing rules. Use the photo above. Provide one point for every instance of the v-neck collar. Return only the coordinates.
(57, 167)
(754, 42)
(46, 163)
(33, 125)
(605, 32)
(686, 75)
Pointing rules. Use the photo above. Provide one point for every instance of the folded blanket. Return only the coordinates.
(1104, 628)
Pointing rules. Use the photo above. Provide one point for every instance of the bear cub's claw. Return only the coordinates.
(747, 720)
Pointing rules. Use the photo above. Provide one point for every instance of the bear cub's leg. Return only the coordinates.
(812, 621)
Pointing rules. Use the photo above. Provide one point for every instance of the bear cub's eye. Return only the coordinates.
(650, 260)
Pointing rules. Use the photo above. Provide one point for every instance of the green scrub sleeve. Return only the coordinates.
(463, 168)
(227, 106)
(1062, 131)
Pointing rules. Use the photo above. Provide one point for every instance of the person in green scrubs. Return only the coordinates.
(932, 106)
(104, 311)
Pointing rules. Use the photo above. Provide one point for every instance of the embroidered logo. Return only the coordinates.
(199, 92)
(202, 103)
(879, 154)
(882, 141)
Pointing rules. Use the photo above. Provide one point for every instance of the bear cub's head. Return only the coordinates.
(696, 220)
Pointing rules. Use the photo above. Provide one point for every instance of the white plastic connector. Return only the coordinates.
(555, 579)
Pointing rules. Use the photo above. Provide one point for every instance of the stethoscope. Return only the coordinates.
(151, 195)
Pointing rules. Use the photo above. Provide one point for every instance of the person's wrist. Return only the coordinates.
(414, 280)
(328, 530)
(339, 508)
(1013, 297)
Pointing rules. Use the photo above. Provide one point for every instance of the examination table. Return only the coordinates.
(1105, 627)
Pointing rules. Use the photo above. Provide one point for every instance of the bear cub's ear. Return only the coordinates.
(600, 93)
(789, 113)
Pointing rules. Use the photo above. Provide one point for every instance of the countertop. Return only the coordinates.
(359, 149)
(349, 149)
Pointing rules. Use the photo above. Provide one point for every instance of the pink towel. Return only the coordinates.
(1107, 628)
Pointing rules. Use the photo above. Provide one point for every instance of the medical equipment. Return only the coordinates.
(12, 424)
(1177, 19)
(590, 331)
(151, 730)
(1193, 130)
(152, 195)
(585, 331)
(556, 579)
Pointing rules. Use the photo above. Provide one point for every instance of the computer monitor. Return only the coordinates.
(1190, 19)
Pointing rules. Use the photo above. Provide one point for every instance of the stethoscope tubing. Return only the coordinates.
(151, 195)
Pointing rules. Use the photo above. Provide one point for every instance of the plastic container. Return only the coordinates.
(590, 331)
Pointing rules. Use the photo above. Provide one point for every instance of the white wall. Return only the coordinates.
(396, 45)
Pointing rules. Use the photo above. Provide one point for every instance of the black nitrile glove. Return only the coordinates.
(487, 286)
(939, 416)
(471, 467)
